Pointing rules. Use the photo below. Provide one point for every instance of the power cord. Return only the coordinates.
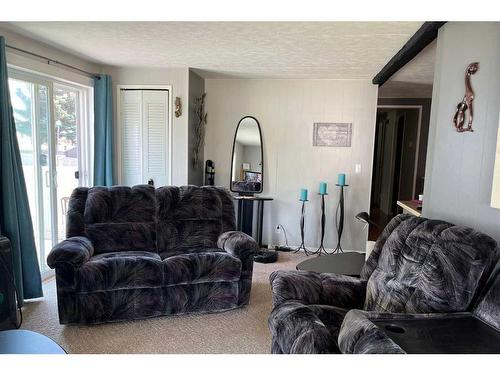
(286, 247)
(11, 279)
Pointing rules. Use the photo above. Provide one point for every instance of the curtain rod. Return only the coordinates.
(49, 60)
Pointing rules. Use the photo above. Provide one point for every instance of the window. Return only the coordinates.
(53, 134)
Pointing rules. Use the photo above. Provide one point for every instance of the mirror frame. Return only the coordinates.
(261, 158)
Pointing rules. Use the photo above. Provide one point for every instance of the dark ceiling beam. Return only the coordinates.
(421, 39)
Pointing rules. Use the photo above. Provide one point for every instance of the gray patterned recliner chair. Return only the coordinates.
(417, 266)
(141, 252)
(475, 332)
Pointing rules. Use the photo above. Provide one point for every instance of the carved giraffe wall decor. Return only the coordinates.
(466, 103)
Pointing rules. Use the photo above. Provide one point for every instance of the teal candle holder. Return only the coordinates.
(341, 179)
(303, 195)
(322, 188)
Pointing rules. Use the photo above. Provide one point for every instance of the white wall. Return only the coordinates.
(286, 110)
(459, 169)
(178, 78)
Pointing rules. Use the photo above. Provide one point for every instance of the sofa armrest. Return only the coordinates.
(238, 244)
(74, 251)
(315, 288)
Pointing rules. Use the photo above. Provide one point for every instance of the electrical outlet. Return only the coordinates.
(357, 168)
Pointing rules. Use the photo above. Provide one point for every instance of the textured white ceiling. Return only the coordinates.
(334, 50)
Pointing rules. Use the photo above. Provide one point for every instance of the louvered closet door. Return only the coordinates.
(131, 129)
(155, 136)
(144, 124)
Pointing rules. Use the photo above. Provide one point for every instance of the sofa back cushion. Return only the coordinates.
(488, 308)
(191, 217)
(425, 266)
(117, 218)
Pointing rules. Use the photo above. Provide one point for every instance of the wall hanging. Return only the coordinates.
(199, 127)
(178, 107)
(466, 103)
(330, 134)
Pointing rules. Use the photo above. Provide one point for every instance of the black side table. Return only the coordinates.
(349, 263)
(20, 341)
(245, 214)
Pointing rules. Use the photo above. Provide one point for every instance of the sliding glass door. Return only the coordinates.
(48, 118)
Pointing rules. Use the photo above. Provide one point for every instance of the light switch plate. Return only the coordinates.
(357, 168)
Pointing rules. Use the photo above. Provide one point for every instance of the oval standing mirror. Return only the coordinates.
(247, 158)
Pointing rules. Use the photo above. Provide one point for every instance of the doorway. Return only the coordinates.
(49, 117)
(395, 162)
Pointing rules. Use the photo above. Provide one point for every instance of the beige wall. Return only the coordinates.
(178, 78)
(460, 166)
(286, 110)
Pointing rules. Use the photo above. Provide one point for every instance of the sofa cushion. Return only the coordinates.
(120, 218)
(191, 218)
(429, 266)
(120, 270)
(207, 265)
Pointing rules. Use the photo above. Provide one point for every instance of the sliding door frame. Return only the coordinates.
(119, 145)
(84, 142)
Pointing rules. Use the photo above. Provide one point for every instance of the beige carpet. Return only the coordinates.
(242, 330)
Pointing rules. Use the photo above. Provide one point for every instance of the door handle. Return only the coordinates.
(47, 179)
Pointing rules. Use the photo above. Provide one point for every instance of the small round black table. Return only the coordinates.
(20, 341)
(348, 263)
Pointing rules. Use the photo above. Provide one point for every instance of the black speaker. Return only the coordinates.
(8, 308)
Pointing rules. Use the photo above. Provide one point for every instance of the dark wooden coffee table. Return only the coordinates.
(349, 263)
(20, 341)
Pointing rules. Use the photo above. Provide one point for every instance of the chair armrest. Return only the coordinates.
(315, 288)
(239, 244)
(359, 335)
(74, 251)
(297, 329)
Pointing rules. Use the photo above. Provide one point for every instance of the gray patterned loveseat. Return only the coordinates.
(418, 266)
(141, 252)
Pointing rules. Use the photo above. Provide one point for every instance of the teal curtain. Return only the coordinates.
(15, 217)
(103, 131)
